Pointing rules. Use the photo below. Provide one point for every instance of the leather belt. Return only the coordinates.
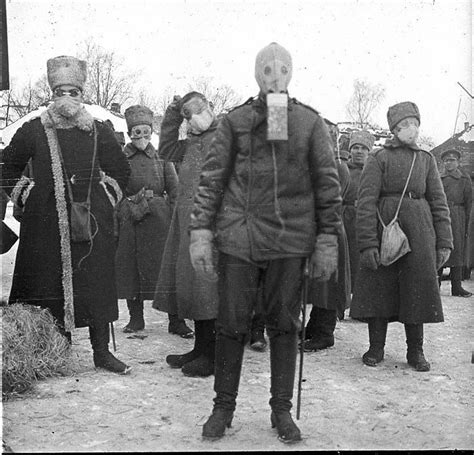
(408, 194)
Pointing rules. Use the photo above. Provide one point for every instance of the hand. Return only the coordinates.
(174, 109)
(442, 255)
(370, 258)
(323, 262)
(200, 250)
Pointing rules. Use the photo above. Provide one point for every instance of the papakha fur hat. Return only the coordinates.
(363, 138)
(138, 115)
(66, 70)
(400, 111)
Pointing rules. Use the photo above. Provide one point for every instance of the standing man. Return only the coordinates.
(457, 186)
(180, 290)
(66, 263)
(144, 217)
(360, 144)
(267, 205)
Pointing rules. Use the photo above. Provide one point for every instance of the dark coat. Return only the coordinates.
(457, 187)
(141, 244)
(406, 291)
(42, 273)
(336, 293)
(349, 218)
(179, 289)
(269, 200)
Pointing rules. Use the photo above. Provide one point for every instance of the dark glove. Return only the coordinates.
(370, 258)
(323, 262)
(200, 251)
(442, 255)
(174, 109)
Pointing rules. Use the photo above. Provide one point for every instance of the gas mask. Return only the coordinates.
(67, 106)
(407, 131)
(141, 136)
(273, 70)
(198, 114)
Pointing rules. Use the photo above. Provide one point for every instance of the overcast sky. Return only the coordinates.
(418, 49)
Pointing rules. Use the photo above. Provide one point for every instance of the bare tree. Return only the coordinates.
(108, 81)
(364, 100)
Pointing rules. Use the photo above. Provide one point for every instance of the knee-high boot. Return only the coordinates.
(283, 351)
(179, 360)
(415, 355)
(456, 288)
(203, 364)
(135, 308)
(377, 335)
(103, 358)
(228, 364)
(323, 323)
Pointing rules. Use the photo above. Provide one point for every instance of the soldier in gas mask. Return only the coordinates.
(268, 198)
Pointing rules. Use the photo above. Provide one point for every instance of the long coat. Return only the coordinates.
(406, 291)
(141, 244)
(336, 293)
(457, 187)
(349, 218)
(265, 200)
(179, 289)
(47, 269)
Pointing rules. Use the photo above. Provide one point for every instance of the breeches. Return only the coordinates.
(279, 282)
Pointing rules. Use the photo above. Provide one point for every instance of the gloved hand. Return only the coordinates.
(174, 108)
(323, 262)
(200, 250)
(370, 258)
(442, 255)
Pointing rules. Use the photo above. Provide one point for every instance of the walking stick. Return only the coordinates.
(113, 335)
(304, 301)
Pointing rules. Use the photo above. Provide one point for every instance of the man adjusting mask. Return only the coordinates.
(198, 113)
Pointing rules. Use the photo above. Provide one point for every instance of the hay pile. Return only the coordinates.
(33, 348)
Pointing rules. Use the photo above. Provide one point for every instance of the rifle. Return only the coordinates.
(304, 302)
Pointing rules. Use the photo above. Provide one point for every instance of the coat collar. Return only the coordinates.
(394, 143)
(352, 165)
(82, 120)
(456, 174)
(131, 150)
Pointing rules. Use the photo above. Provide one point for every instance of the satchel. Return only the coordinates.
(394, 243)
(81, 221)
(139, 207)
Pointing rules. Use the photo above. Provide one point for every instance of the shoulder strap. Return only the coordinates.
(94, 153)
(403, 193)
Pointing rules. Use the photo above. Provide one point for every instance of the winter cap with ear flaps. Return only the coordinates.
(400, 111)
(138, 115)
(363, 138)
(66, 70)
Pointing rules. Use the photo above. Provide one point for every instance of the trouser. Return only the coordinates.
(238, 286)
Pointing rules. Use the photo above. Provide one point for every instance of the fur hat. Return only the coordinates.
(400, 111)
(363, 138)
(451, 153)
(65, 70)
(138, 115)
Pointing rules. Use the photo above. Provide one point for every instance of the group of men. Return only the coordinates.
(264, 199)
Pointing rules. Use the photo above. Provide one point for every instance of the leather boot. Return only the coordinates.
(178, 326)
(456, 288)
(228, 364)
(103, 358)
(323, 323)
(377, 335)
(178, 361)
(283, 351)
(415, 355)
(137, 322)
(203, 365)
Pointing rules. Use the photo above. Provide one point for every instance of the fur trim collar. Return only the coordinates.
(82, 120)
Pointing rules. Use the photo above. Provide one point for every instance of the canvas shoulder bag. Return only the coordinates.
(394, 243)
